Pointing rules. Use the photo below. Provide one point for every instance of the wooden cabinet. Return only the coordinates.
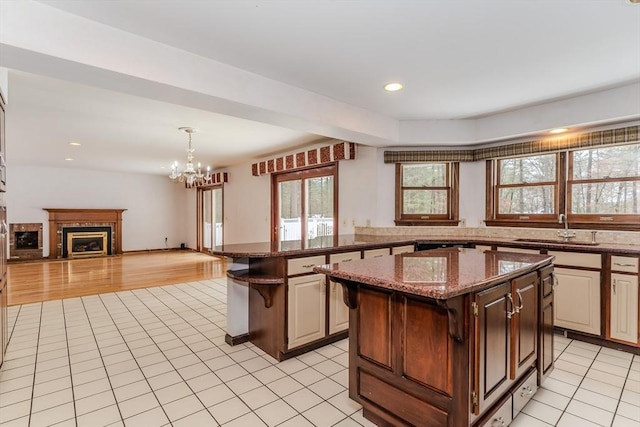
(577, 296)
(507, 330)
(545, 323)
(306, 309)
(3, 146)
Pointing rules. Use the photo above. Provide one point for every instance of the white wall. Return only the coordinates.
(366, 197)
(156, 208)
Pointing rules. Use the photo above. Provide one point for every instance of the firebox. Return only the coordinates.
(82, 242)
(26, 239)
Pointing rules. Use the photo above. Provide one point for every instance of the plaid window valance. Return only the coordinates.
(569, 142)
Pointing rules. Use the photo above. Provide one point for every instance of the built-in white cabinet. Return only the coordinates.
(397, 250)
(624, 307)
(306, 309)
(577, 300)
(376, 253)
(338, 310)
(623, 289)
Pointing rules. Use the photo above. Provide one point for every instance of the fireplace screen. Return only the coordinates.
(26, 239)
(86, 243)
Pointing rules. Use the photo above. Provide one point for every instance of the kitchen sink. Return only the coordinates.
(557, 242)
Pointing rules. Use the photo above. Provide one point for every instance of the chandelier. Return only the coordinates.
(189, 175)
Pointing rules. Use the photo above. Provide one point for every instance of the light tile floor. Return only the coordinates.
(157, 356)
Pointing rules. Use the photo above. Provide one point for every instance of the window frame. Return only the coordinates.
(451, 218)
(326, 169)
(564, 171)
(557, 191)
(597, 218)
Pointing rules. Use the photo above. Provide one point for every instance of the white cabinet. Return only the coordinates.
(376, 253)
(397, 250)
(338, 310)
(577, 300)
(306, 309)
(624, 307)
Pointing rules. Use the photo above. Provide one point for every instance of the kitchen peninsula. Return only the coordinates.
(447, 337)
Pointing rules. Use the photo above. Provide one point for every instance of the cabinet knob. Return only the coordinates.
(498, 422)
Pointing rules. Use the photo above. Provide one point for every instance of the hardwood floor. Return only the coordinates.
(49, 280)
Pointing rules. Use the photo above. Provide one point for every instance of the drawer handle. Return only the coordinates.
(347, 260)
(498, 420)
(378, 256)
(308, 265)
(526, 391)
(624, 264)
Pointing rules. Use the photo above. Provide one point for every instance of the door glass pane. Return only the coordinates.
(217, 216)
(207, 219)
(290, 210)
(319, 206)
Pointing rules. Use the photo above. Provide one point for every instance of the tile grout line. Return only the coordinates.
(73, 395)
(82, 302)
(35, 362)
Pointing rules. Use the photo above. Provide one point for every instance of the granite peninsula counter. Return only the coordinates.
(447, 337)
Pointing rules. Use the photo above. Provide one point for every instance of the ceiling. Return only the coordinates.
(458, 60)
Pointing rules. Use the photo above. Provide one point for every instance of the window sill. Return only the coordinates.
(433, 223)
(617, 226)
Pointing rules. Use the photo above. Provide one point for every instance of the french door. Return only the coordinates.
(210, 218)
(305, 205)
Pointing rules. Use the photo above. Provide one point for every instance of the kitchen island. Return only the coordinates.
(447, 337)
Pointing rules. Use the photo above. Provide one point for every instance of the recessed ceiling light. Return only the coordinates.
(75, 144)
(68, 159)
(558, 130)
(393, 87)
(162, 167)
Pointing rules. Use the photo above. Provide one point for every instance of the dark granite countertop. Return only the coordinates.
(437, 273)
(325, 245)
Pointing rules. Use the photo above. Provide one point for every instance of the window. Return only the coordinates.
(427, 193)
(305, 205)
(595, 188)
(527, 187)
(604, 184)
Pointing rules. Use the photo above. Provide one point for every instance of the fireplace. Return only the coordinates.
(25, 241)
(83, 242)
(84, 220)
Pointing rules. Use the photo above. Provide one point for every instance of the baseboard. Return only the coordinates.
(146, 251)
(596, 340)
(239, 339)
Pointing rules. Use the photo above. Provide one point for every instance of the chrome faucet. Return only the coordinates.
(566, 234)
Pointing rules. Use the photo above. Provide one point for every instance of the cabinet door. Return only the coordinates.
(577, 299)
(493, 347)
(524, 324)
(306, 310)
(545, 342)
(338, 310)
(624, 308)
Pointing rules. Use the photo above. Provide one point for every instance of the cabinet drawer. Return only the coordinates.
(502, 416)
(624, 263)
(402, 250)
(304, 265)
(345, 257)
(519, 250)
(576, 259)
(524, 392)
(376, 253)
